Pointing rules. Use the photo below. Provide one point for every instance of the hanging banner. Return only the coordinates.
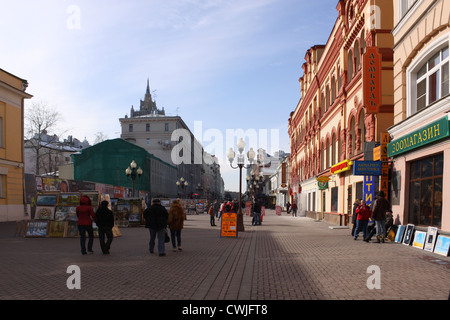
(372, 79)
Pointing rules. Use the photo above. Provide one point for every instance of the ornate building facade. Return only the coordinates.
(333, 125)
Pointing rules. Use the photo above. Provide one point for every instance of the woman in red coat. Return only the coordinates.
(363, 214)
(85, 215)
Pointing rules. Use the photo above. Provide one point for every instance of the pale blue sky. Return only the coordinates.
(230, 64)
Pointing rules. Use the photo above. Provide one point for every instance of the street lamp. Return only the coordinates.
(240, 164)
(133, 172)
(182, 184)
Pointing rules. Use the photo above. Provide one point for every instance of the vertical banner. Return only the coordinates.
(369, 189)
(372, 79)
(384, 178)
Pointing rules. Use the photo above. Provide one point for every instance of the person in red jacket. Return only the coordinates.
(85, 214)
(363, 214)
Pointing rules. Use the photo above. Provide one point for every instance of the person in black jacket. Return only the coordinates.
(105, 223)
(156, 221)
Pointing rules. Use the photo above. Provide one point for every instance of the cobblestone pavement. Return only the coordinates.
(285, 258)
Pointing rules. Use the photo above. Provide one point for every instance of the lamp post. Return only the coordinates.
(240, 164)
(133, 172)
(182, 184)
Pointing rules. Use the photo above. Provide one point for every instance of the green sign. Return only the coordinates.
(430, 133)
(322, 185)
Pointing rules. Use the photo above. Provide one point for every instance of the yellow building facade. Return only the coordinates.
(12, 97)
(333, 122)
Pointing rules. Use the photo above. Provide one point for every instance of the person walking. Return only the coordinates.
(363, 214)
(212, 214)
(288, 207)
(257, 213)
(176, 223)
(294, 209)
(156, 221)
(105, 223)
(355, 215)
(86, 215)
(380, 206)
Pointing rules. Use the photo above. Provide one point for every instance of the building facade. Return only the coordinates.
(420, 145)
(335, 122)
(169, 139)
(12, 195)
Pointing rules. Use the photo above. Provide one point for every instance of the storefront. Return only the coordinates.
(421, 175)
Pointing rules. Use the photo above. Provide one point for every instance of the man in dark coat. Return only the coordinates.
(381, 205)
(156, 221)
(105, 223)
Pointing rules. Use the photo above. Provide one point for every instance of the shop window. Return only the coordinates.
(334, 199)
(425, 191)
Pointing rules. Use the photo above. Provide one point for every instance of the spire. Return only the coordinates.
(148, 88)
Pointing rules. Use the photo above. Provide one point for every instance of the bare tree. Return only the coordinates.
(40, 120)
(100, 137)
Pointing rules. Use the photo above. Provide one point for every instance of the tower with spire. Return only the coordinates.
(147, 106)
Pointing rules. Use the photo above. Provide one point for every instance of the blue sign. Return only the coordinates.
(369, 189)
(367, 168)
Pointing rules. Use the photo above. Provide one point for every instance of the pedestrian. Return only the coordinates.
(363, 214)
(212, 215)
(216, 208)
(222, 208)
(380, 207)
(294, 209)
(156, 221)
(288, 207)
(176, 223)
(256, 213)
(354, 215)
(86, 215)
(105, 223)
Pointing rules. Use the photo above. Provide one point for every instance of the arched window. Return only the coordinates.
(362, 129)
(357, 54)
(333, 149)
(328, 153)
(349, 66)
(333, 90)
(351, 138)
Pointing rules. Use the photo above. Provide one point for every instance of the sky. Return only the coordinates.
(221, 65)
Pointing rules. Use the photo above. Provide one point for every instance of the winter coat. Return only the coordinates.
(85, 213)
(105, 217)
(176, 217)
(363, 213)
(380, 207)
(156, 217)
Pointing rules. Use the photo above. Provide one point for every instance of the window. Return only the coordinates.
(166, 127)
(1, 132)
(405, 5)
(430, 79)
(425, 191)
(147, 141)
(130, 128)
(147, 127)
(2, 186)
(334, 198)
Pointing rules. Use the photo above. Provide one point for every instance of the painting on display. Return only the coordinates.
(36, 228)
(408, 234)
(399, 235)
(442, 245)
(93, 195)
(56, 228)
(69, 199)
(419, 239)
(430, 239)
(63, 213)
(71, 229)
(46, 199)
(44, 213)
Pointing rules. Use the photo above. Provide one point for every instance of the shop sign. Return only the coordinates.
(372, 79)
(341, 166)
(367, 168)
(430, 133)
(322, 185)
(369, 189)
(229, 225)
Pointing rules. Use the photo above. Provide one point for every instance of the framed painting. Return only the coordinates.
(69, 199)
(36, 228)
(71, 229)
(62, 213)
(408, 234)
(46, 199)
(430, 239)
(442, 245)
(419, 239)
(44, 213)
(93, 195)
(56, 229)
(400, 233)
